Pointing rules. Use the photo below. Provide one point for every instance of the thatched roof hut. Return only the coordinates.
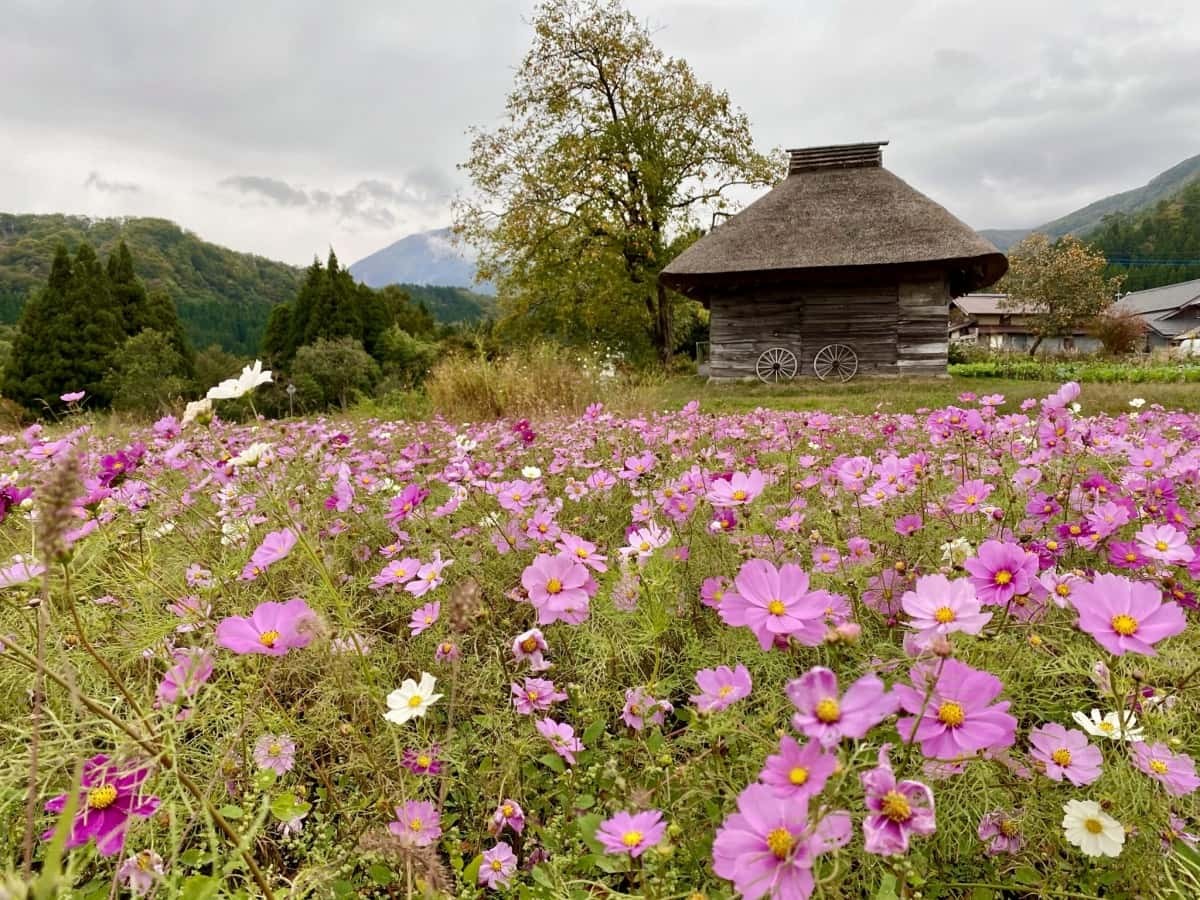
(841, 251)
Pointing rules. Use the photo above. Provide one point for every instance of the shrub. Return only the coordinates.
(334, 372)
(145, 375)
(1120, 333)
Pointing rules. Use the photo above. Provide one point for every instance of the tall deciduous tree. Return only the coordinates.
(1060, 285)
(610, 151)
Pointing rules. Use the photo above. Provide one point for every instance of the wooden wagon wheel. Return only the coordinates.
(836, 361)
(775, 364)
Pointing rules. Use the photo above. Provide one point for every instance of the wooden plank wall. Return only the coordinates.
(804, 320)
(922, 333)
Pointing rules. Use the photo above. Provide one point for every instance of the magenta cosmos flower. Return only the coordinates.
(535, 695)
(642, 709)
(1125, 616)
(721, 687)
(1001, 571)
(530, 646)
(1065, 753)
(559, 588)
(895, 809)
(775, 603)
(768, 847)
(632, 833)
(273, 628)
(1001, 832)
(937, 605)
(497, 866)
(275, 547)
(417, 823)
(797, 772)
(824, 714)
(562, 738)
(108, 797)
(736, 490)
(955, 716)
(508, 814)
(1176, 771)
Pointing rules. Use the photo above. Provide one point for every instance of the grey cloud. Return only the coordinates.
(371, 202)
(98, 182)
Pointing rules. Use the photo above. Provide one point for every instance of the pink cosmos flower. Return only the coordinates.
(140, 871)
(908, 525)
(1065, 753)
(584, 551)
(1165, 543)
(1175, 771)
(954, 716)
(109, 796)
(275, 547)
(642, 542)
(562, 738)
(276, 752)
(713, 591)
(498, 865)
(938, 605)
(969, 496)
(429, 576)
(189, 671)
(508, 815)
(736, 490)
(535, 695)
(73, 396)
(824, 714)
(1125, 616)
(775, 603)
(396, 573)
(721, 687)
(559, 587)
(642, 709)
(405, 503)
(895, 809)
(632, 833)
(768, 847)
(422, 762)
(797, 772)
(1001, 832)
(417, 823)
(272, 629)
(1000, 571)
(424, 617)
(530, 646)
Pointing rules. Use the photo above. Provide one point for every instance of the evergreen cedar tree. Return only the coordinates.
(71, 327)
(331, 305)
(1168, 235)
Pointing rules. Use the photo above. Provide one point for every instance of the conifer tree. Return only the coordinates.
(129, 293)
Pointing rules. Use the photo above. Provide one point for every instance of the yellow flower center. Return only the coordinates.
(274, 749)
(581, 553)
(1009, 827)
(269, 638)
(739, 495)
(828, 711)
(102, 797)
(798, 775)
(1003, 576)
(971, 498)
(496, 865)
(944, 615)
(507, 810)
(1094, 826)
(1051, 545)
(780, 842)
(1158, 767)
(553, 586)
(1124, 625)
(895, 807)
(951, 714)
(414, 824)
(1063, 590)
(424, 761)
(825, 557)
(776, 608)
(631, 838)
(529, 645)
(725, 690)
(532, 695)
(644, 546)
(414, 701)
(1061, 756)
(1075, 530)
(1106, 727)
(1160, 546)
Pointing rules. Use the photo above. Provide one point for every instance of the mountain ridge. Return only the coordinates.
(425, 257)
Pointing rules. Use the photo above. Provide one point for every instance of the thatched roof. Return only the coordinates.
(837, 210)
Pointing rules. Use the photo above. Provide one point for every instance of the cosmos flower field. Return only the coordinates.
(951, 653)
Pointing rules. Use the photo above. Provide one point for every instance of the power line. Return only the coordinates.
(1144, 261)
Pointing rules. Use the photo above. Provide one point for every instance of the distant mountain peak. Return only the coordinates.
(428, 257)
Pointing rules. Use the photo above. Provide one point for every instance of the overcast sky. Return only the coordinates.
(285, 126)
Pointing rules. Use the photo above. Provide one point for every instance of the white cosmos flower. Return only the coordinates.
(1110, 725)
(197, 411)
(232, 388)
(956, 551)
(1091, 829)
(1137, 402)
(411, 700)
(258, 452)
(531, 472)
(465, 443)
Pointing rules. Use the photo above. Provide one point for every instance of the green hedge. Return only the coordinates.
(1083, 371)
